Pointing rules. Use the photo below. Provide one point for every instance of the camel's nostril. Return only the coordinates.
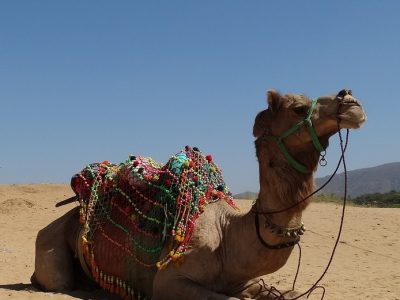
(343, 93)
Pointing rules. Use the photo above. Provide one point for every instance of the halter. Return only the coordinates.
(314, 137)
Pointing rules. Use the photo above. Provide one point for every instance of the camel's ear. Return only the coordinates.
(274, 100)
(260, 124)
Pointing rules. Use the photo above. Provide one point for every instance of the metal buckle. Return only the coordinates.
(323, 162)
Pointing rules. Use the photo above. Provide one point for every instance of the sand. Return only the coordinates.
(366, 264)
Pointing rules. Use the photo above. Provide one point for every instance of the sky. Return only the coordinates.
(87, 81)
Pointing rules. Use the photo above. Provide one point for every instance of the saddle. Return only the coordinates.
(130, 212)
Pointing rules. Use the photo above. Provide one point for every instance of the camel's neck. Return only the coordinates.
(280, 187)
(281, 191)
(277, 192)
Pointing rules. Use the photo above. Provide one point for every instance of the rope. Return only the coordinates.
(272, 289)
(298, 267)
(315, 285)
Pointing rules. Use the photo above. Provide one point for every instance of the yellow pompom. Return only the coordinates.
(176, 256)
(178, 238)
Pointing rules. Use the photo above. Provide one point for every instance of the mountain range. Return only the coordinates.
(380, 179)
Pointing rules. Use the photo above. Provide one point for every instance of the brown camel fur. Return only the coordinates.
(227, 256)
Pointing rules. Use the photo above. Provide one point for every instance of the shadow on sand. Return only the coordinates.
(94, 294)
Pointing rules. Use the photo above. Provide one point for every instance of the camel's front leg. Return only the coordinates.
(166, 287)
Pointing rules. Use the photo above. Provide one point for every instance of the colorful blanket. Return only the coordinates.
(131, 211)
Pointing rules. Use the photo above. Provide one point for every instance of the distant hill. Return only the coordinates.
(379, 179)
(246, 195)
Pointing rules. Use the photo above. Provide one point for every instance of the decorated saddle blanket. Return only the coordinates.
(131, 211)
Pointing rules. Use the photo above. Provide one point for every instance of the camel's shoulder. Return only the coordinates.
(211, 224)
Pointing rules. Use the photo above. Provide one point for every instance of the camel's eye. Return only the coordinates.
(301, 110)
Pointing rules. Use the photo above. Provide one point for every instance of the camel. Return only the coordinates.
(228, 250)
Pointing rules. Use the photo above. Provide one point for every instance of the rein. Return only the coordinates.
(342, 159)
(272, 290)
(296, 165)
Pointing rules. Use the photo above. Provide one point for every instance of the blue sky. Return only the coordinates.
(85, 81)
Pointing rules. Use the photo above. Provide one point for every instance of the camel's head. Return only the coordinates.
(299, 126)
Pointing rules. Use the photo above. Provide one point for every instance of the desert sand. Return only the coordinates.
(366, 264)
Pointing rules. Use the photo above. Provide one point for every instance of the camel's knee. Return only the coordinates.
(54, 257)
(54, 269)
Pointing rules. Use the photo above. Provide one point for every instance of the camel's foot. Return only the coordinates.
(293, 294)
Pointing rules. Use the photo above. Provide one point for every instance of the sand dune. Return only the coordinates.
(366, 264)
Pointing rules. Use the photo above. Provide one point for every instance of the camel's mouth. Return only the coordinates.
(351, 114)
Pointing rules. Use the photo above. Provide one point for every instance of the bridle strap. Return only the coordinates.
(311, 129)
(313, 134)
